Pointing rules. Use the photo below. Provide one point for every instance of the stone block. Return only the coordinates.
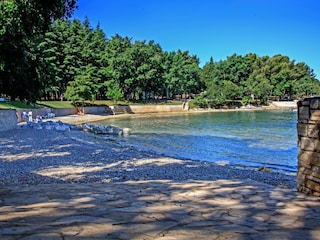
(315, 171)
(304, 158)
(304, 121)
(306, 143)
(315, 160)
(315, 115)
(301, 177)
(302, 129)
(313, 130)
(304, 112)
(305, 170)
(308, 159)
(313, 178)
(309, 144)
(305, 102)
(314, 186)
(315, 103)
(305, 189)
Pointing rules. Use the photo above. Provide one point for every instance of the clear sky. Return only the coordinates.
(215, 28)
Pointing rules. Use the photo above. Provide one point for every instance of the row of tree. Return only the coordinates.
(70, 59)
(84, 65)
(251, 78)
(22, 25)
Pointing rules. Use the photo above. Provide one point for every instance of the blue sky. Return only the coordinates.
(217, 28)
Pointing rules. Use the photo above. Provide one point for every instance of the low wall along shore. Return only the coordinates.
(308, 129)
(147, 109)
(59, 112)
(8, 119)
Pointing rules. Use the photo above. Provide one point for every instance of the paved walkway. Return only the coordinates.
(163, 210)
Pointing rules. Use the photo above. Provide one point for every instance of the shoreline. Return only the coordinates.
(32, 157)
(86, 118)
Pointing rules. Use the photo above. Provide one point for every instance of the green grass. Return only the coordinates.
(16, 105)
(55, 104)
(69, 104)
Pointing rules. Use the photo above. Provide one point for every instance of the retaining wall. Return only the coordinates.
(59, 112)
(8, 119)
(308, 129)
(146, 109)
(285, 104)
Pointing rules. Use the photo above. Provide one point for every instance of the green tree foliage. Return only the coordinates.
(73, 49)
(119, 67)
(23, 23)
(67, 58)
(147, 70)
(114, 91)
(182, 73)
(84, 87)
(257, 79)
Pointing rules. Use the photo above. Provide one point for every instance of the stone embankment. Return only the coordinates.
(308, 127)
(8, 119)
(60, 126)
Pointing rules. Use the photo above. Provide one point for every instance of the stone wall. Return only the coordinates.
(8, 119)
(146, 109)
(59, 112)
(308, 129)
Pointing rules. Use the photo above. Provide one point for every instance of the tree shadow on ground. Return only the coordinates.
(86, 190)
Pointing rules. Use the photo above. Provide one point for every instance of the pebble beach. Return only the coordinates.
(30, 157)
(78, 185)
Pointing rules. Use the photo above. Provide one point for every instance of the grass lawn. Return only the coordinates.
(55, 104)
(16, 105)
(68, 104)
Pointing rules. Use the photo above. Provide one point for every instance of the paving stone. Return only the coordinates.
(284, 235)
(42, 236)
(222, 209)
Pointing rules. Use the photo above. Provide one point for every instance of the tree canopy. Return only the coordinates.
(45, 59)
(251, 78)
(22, 24)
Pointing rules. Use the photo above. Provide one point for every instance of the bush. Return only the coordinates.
(201, 102)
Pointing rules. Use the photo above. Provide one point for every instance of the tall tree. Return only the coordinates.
(147, 68)
(182, 73)
(118, 69)
(22, 23)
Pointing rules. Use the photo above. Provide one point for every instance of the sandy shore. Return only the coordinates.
(78, 119)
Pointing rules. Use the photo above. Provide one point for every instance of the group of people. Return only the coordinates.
(27, 117)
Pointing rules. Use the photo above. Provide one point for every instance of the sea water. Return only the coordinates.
(245, 139)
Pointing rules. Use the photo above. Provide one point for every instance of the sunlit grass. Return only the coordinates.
(16, 105)
(56, 104)
(70, 104)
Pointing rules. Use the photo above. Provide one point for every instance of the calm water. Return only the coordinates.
(242, 139)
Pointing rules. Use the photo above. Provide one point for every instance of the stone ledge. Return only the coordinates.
(60, 126)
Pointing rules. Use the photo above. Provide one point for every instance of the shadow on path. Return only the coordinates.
(63, 186)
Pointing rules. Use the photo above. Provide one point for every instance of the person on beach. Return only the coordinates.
(30, 116)
(24, 116)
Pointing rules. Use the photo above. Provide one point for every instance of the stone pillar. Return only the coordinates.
(308, 129)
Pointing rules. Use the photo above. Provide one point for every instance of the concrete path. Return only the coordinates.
(163, 210)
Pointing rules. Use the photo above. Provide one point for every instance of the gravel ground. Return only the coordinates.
(30, 157)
